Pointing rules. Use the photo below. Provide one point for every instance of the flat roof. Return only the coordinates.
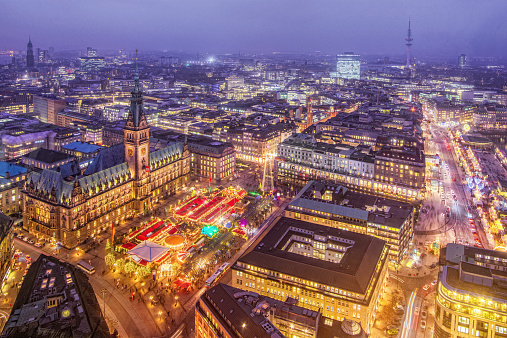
(353, 273)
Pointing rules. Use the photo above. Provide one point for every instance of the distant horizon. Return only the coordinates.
(439, 27)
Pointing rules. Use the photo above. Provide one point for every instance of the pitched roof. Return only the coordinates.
(49, 180)
(107, 158)
(149, 251)
(12, 169)
(166, 155)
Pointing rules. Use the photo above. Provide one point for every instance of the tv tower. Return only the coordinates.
(409, 43)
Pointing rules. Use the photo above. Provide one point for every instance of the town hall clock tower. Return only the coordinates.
(136, 134)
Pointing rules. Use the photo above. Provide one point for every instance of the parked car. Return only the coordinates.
(434, 282)
(20, 236)
(25, 239)
(38, 245)
(424, 314)
(423, 324)
(31, 241)
(426, 287)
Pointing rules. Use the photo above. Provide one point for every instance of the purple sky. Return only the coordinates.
(440, 27)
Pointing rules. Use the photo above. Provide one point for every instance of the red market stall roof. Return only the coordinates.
(239, 232)
(128, 246)
(182, 284)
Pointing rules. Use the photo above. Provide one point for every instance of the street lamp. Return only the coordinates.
(103, 291)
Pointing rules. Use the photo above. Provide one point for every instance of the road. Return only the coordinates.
(412, 316)
(185, 329)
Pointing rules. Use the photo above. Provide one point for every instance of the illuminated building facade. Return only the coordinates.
(471, 293)
(47, 107)
(301, 159)
(6, 247)
(340, 273)
(211, 159)
(225, 311)
(348, 66)
(335, 206)
(122, 181)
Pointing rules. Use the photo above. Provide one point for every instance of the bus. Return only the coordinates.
(216, 276)
(469, 212)
(86, 267)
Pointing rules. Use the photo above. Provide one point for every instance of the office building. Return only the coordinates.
(42, 56)
(46, 107)
(300, 159)
(471, 297)
(462, 61)
(55, 300)
(339, 273)
(30, 61)
(90, 52)
(348, 66)
(92, 63)
(212, 160)
(225, 311)
(122, 181)
(336, 206)
(400, 167)
(10, 196)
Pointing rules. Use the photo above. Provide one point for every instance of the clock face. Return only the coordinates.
(130, 152)
(65, 313)
(143, 151)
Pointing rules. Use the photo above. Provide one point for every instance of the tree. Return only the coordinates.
(110, 259)
(129, 267)
(119, 263)
(108, 246)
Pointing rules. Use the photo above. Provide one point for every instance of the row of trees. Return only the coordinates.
(126, 266)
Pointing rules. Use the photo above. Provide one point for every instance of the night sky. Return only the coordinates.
(439, 27)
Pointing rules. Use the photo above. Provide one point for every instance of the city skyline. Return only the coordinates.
(364, 27)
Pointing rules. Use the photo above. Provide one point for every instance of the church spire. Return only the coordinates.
(136, 117)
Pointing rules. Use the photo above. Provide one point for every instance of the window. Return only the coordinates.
(462, 329)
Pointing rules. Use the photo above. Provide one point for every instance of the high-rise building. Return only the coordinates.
(47, 107)
(348, 66)
(92, 63)
(30, 62)
(462, 60)
(42, 56)
(337, 272)
(90, 52)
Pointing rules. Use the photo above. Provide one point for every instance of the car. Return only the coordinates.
(25, 239)
(38, 245)
(392, 332)
(423, 324)
(399, 307)
(19, 236)
(31, 241)
(434, 283)
(424, 314)
(426, 287)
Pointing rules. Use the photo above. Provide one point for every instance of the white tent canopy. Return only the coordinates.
(148, 251)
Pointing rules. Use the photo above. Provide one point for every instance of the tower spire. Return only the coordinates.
(409, 43)
(136, 117)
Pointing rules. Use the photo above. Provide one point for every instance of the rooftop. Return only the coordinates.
(83, 147)
(10, 170)
(47, 156)
(354, 272)
(55, 300)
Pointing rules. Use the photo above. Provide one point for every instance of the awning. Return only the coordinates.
(148, 251)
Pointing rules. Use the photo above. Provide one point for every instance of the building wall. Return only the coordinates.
(207, 325)
(464, 314)
(215, 166)
(10, 198)
(333, 303)
(295, 176)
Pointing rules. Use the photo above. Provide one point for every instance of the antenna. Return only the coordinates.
(409, 43)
